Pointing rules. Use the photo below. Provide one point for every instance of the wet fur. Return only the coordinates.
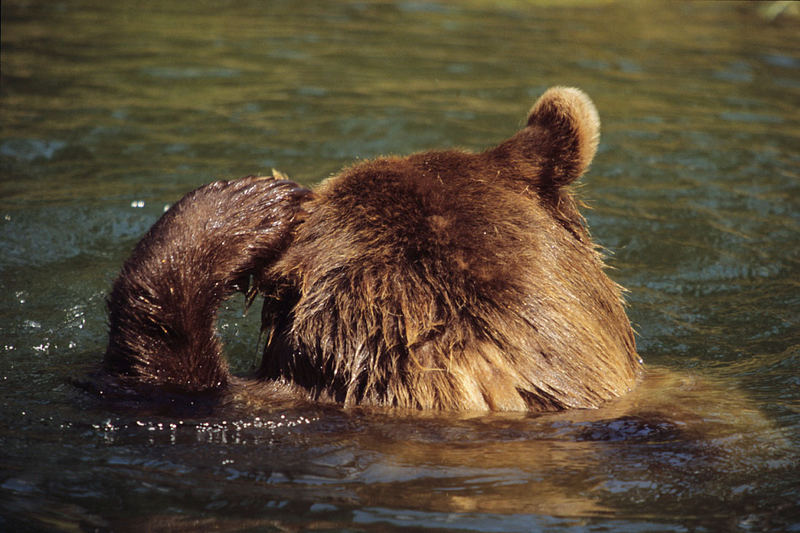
(163, 305)
(442, 280)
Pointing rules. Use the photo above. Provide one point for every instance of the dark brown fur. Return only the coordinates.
(443, 280)
(163, 306)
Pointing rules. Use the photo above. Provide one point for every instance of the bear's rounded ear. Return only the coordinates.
(568, 132)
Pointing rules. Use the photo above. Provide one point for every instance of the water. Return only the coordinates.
(110, 111)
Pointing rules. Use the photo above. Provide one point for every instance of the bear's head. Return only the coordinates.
(454, 280)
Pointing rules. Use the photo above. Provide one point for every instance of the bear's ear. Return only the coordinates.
(564, 129)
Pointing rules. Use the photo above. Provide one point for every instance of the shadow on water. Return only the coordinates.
(112, 111)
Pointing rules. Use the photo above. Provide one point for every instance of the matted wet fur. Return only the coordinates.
(442, 280)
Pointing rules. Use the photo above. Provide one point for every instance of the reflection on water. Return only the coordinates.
(676, 445)
(110, 113)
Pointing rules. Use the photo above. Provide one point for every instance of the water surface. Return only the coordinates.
(111, 110)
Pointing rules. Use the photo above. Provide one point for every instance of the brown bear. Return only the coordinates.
(443, 280)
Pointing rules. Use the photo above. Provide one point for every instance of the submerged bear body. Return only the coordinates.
(442, 280)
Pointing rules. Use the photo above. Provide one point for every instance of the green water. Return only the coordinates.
(109, 111)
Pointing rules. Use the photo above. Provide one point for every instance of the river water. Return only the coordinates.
(110, 111)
